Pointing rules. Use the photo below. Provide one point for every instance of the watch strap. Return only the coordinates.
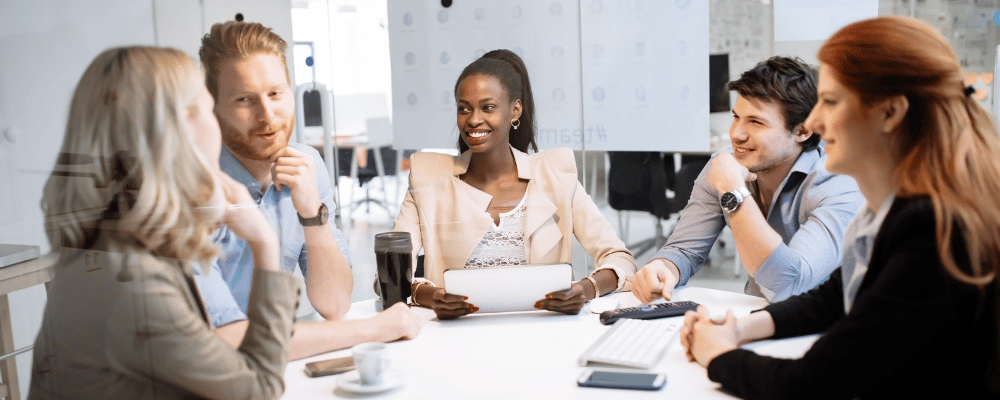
(320, 219)
(739, 194)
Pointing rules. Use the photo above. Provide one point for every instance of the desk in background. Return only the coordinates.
(13, 278)
(363, 164)
(525, 356)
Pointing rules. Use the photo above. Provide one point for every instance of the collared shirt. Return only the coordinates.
(226, 287)
(810, 211)
(858, 245)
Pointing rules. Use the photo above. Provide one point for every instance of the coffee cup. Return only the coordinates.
(371, 361)
(393, 252)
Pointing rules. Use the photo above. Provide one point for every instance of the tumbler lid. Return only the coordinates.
(393, 242)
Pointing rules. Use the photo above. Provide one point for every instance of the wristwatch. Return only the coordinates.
(732, 199)
(320, 219)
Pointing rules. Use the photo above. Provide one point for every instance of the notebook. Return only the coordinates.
(11, 254)
(503, 289)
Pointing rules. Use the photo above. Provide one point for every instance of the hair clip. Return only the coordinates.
(969, 90)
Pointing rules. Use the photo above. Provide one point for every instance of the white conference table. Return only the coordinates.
(531, 355)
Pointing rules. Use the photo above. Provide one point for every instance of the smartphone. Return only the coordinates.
(621, 380)
(329, 367)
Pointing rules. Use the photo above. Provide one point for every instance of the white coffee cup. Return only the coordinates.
(371, 360)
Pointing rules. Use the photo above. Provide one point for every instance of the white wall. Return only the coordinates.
(182, 23)
(45, 45)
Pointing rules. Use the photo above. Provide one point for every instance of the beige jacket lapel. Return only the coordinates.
(468, 209)
(541, 231)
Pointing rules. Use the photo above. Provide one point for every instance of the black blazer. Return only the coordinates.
(913, 332)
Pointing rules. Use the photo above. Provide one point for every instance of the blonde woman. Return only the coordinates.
(124, 319)
(913, 310)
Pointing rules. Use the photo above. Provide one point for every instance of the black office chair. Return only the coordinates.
(363, 176)
(683, 185)
(638, 181)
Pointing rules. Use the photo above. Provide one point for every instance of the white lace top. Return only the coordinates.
(502, 244)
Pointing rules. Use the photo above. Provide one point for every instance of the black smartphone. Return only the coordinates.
(621, 380)
(329, 367)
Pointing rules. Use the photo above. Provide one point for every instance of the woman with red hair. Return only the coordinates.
(913, 310)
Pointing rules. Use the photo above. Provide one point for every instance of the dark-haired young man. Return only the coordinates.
(787, 213)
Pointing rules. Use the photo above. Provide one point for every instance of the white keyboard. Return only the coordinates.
(632, 343)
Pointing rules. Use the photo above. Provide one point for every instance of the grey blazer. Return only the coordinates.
(126, 325)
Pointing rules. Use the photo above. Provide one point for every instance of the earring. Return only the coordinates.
(515, 123)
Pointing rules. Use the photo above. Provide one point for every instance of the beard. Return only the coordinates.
(248, 144)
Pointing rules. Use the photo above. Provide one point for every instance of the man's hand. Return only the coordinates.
(568, 301)
(294, 168)
(397, 322)
(725, 173)
(653, 281)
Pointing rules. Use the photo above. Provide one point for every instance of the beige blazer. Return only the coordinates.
(447, 217)
(133, 327)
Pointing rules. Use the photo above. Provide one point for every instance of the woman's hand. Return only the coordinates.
(568, 301)
(244, 218)
(704, 339)
(447, 305)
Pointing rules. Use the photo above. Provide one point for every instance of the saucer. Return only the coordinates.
(602, 304)
(351, 382)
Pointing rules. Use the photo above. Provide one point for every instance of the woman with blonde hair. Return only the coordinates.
(913, 310)
(124, 319)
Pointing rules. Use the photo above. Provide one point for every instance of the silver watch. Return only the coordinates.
(732, 199)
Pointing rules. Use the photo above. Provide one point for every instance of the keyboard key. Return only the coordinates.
(632, 343)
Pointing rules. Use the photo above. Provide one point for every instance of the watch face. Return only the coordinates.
(729, 202)
(324, 214)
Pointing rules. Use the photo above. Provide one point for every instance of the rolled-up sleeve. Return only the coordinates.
(815, 250)
(219, 301)
(325, 190)
(699, 226)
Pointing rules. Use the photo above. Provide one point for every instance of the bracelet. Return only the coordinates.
(597, 289)
(415, 288)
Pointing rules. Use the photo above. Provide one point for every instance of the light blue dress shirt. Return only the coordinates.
(226, 286)
(810, 211)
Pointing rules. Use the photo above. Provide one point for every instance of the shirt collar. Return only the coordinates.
(231, 166)
(871, 227)
(807, 160)
(520, 160)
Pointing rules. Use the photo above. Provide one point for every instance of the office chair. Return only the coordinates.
(380, 162)
(637, 181)
(683, 184)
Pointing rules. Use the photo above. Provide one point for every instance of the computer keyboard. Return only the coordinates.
(632, 343)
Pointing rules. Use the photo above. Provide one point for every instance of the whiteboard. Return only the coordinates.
(645, 75)
(429, 46)
(655, 94)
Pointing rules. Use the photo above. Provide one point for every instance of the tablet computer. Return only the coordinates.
(513, 288)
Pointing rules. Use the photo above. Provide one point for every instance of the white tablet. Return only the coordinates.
(501, 289)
